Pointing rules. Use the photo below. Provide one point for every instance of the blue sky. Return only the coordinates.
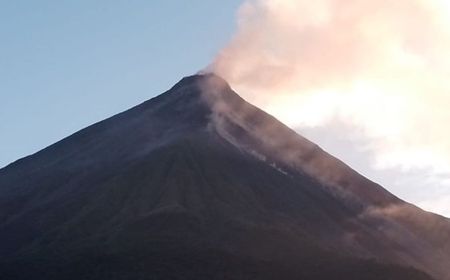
(67, 64)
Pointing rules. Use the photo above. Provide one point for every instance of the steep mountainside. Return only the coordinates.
(199, 184)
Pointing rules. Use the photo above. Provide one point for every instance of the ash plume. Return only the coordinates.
(379, 66)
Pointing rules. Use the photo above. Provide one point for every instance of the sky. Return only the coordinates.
(67, 64)
(366, 80)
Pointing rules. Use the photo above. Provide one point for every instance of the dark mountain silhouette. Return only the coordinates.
(199, 184)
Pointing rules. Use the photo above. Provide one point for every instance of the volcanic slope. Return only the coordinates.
(199, 184)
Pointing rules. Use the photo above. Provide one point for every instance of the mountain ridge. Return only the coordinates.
(176, 168)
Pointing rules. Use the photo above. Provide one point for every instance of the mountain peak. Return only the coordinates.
(202, 78)
(197, 177)
(196, 99)
(208, 86)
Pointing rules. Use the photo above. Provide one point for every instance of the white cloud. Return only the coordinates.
(380, 66)
(437, 205)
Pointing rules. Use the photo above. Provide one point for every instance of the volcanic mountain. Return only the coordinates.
(196, 183)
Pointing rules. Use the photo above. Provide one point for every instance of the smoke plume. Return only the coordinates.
(377, 65)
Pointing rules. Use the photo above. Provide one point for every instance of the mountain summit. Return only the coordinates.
(196, 183)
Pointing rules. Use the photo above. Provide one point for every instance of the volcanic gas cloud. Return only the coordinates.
(380, 67)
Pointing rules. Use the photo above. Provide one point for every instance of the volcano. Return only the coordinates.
(196, 183)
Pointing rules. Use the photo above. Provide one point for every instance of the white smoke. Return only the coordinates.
(380, 66)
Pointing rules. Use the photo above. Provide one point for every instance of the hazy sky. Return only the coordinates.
(357, 78)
